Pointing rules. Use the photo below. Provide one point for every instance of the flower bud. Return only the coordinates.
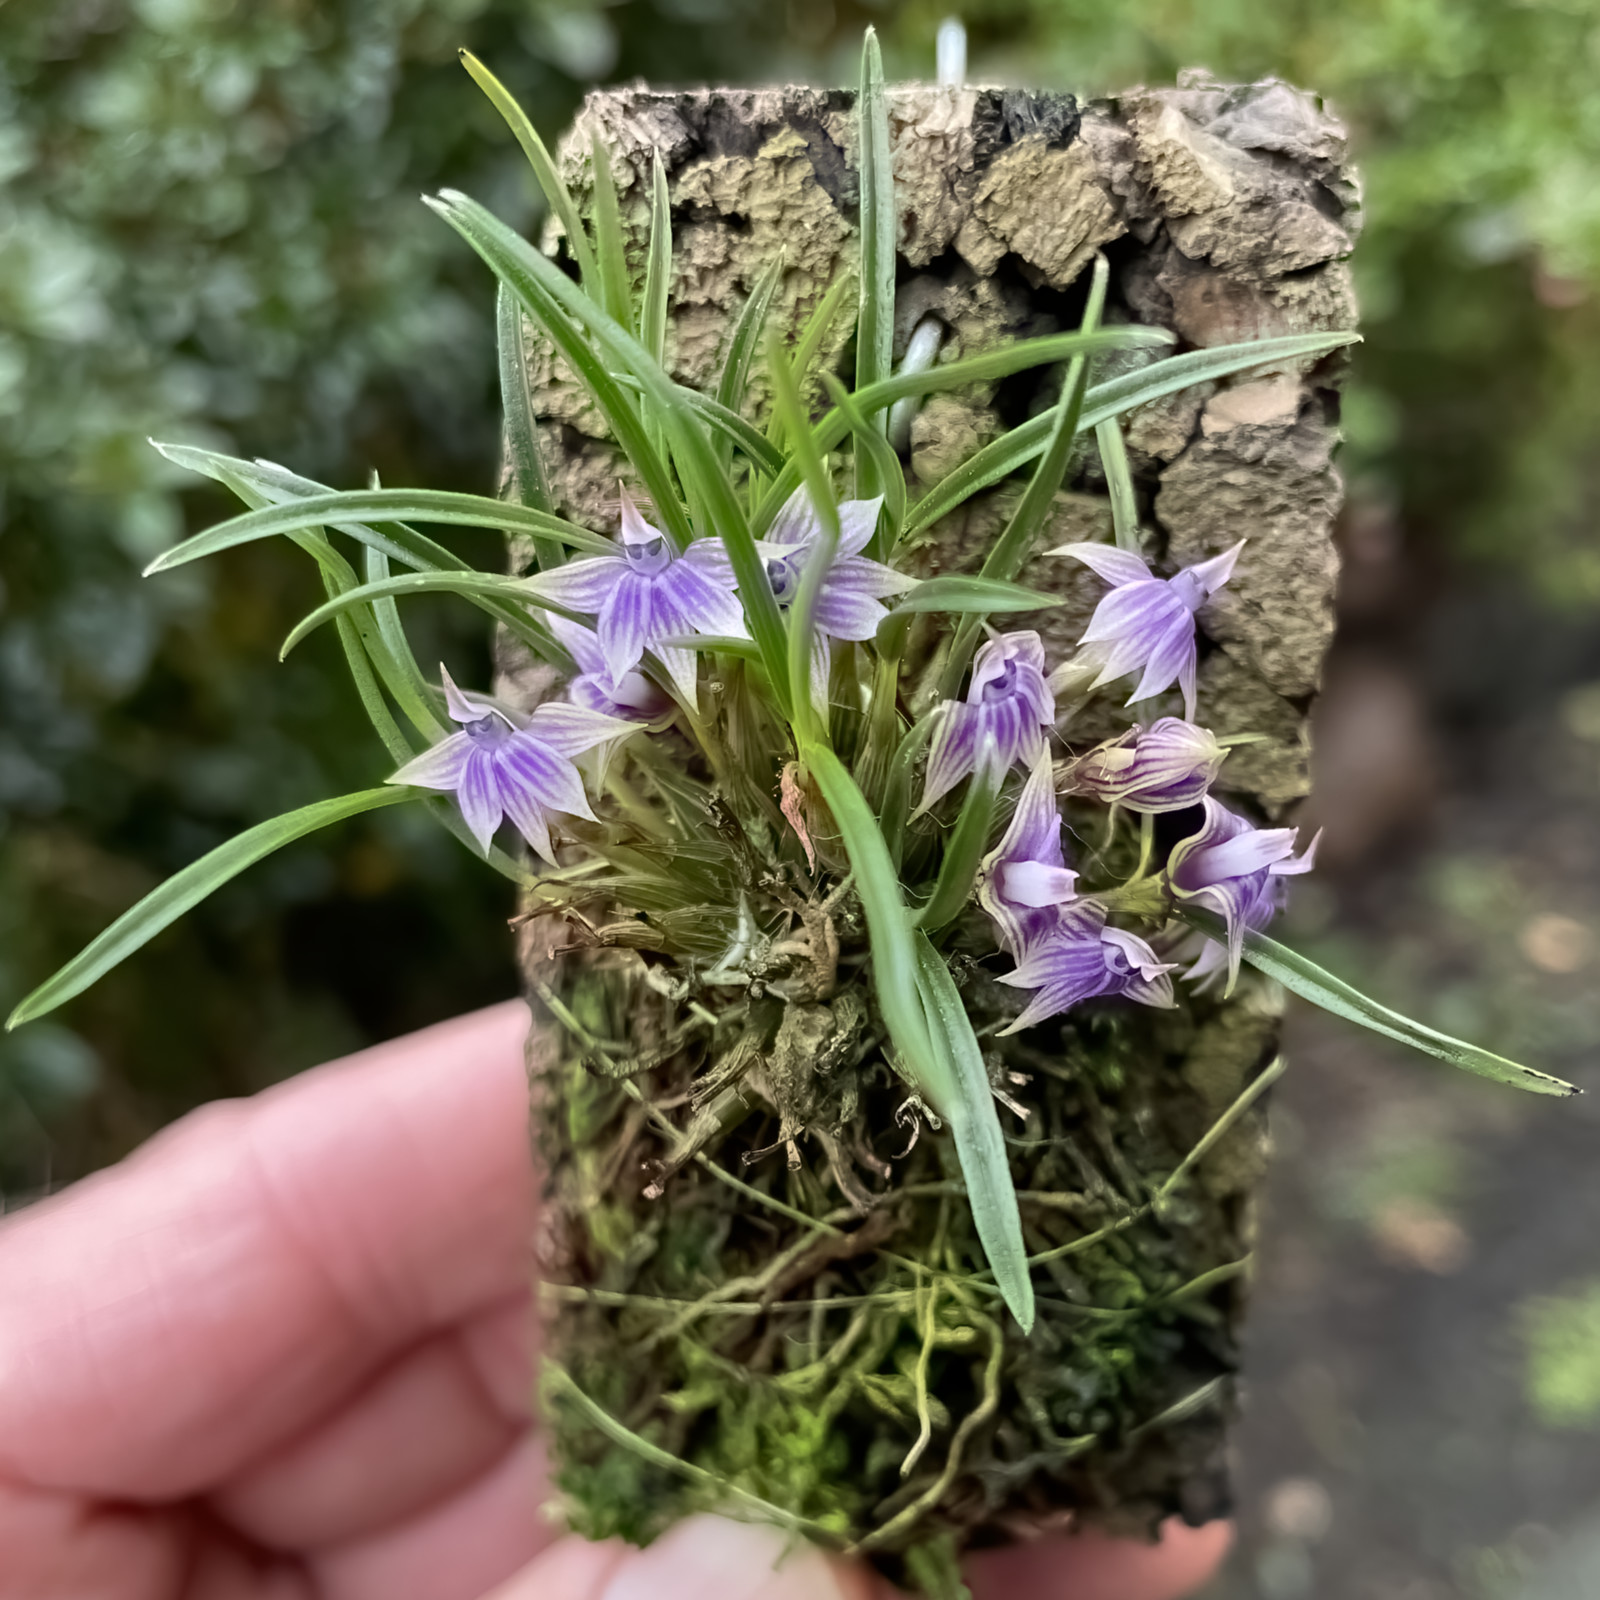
(1165, 767)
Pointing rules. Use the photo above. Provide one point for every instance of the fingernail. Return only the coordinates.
(712, 1558)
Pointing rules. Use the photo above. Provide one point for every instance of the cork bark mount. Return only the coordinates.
(1226, 214)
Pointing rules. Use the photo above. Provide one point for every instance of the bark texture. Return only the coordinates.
(1228, 213)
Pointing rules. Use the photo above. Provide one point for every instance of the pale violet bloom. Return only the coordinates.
(521, 771)
(1146, 624)
(1079, 959)
(1025, 877)
(1236, 870)
(646, 595)
(633, 696)
(1003, 720)
(1165, 767)
(850, 602)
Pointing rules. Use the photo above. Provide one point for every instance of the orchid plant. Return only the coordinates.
(739, 733)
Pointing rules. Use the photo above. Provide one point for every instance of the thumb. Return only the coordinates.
(702, 1558)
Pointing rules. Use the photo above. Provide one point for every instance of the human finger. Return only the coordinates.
(426, 1426)
(1091, 1566)
(170, 1319)
(459, 1549)
(700, 1556)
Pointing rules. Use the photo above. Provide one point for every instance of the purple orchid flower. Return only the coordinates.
(1146, 623)
(1164, 767)
(632, 697)
(645, 595)
(497, 768)
(1236, 870)
(1080, 958)
(1009, 706)
(1025, 878)
(850, 602)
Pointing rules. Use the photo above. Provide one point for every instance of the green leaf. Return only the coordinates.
(1008, 553)
(422, 704)
(808, 723)
(163, 906)
(1119, 480)
(975, 1125)
(962, 853)
(530, 274)
(615, 293)
(889, 479)
(1111, 399)
(1308, 980)
(1000, 362)
(810, 341)
(875, 323)
(526, 480)
(345, 507)
(657, 267)
(557, 196)
(755, 444)
(894, 961)
(973, 595)
(480, 587)
(747, 334)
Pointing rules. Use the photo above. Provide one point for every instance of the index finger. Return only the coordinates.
(169, 1319)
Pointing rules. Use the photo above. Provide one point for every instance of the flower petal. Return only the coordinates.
(568, 730)
(581, 643)
(582, 585)
(858, 521)
(438, 767)
(1034, 883)
(1106, 561)
(627, 622)
(479, 795)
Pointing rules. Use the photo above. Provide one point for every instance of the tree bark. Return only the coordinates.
(1227, 213)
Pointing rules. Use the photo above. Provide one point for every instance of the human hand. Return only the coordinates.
(283, 1353)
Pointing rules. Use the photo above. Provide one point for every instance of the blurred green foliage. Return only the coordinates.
(209, 231)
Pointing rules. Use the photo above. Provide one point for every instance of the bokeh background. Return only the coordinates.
(209, 231)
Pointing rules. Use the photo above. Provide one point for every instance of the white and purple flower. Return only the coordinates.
(850, 601)
(1003, 720)
(632, 697)
(1079, 959)
(1165, 767)
(498, 768)
(1146, 624)
(1236, 870)
(1025, 878)
(646, 595)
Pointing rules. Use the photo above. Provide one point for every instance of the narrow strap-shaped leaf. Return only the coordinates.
(762, 454)
(975, 1126)
(557, 196)
(409, 687)
(875, 324)
(480, 587)
(657, 267)
(1003, 456)
(533, 289)
(972, 595)
(747, 335)
(1008, 553)
(616, 295)
(1119, 480)
(527, 483)
(810, 342)
(808, 723)
(164, 905)
(999, 362)
(963, 851)
(1308, 980)
(894, 961)
(422, 505)
(889, 479)
(512, 258)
